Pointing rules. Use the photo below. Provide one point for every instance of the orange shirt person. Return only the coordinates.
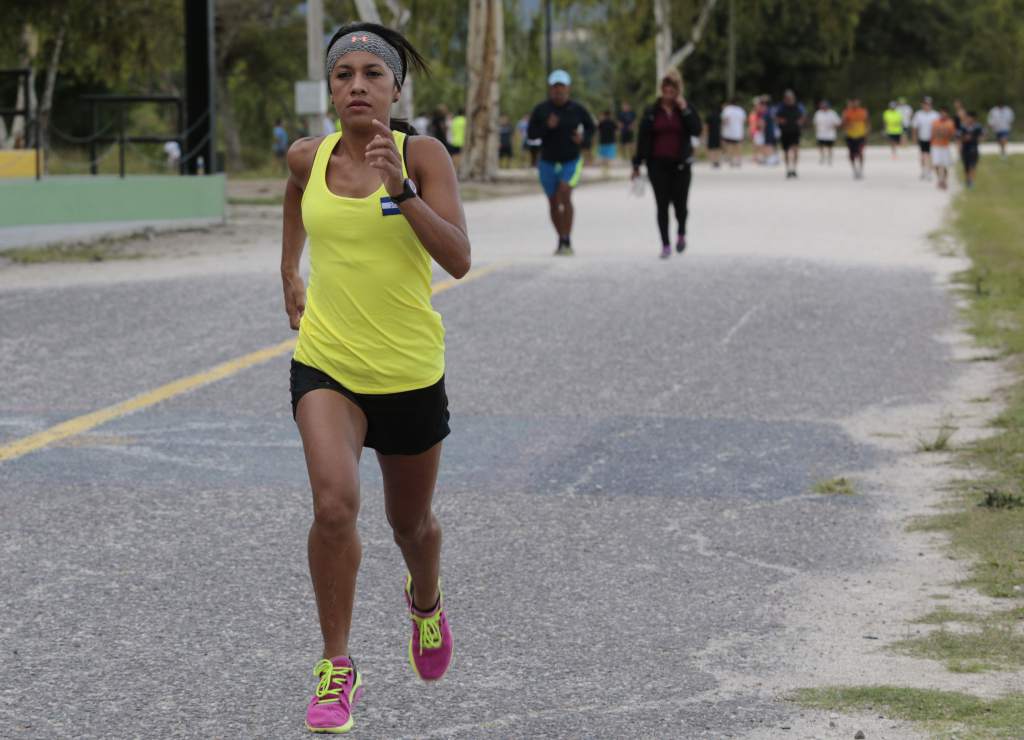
(943, 133)
(856, 125)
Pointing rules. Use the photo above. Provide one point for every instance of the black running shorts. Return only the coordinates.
(405, 423)
(855, 144)
(926, 146)
(790, 139)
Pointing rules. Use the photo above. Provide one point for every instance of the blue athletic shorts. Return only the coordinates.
(553, 173)
(607, 151)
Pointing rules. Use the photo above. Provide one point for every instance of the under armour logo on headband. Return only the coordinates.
(369, 42)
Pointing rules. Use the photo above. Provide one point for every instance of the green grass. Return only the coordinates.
(271, 200)
(942, 711)
(834, 487)
(993, 647)
(940, 443)
(988, 526)
(985, 520)
(92, 252)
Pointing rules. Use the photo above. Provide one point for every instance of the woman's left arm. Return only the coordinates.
(691, 121)
(436, 214)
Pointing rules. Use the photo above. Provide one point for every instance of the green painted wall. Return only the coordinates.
(64, 200)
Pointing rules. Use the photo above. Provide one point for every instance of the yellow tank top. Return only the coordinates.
(368, 322)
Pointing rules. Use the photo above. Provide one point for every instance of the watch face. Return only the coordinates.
(411, 186)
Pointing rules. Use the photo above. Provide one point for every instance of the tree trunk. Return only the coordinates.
(19, 132)
(226, 120)
(405, 107)
(483, 62)
(664, 56)
(696, 34)
(368, 13)
(51, 83)
(662, 39)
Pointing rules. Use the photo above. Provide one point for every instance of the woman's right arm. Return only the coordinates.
(643, 132)
(293, 237)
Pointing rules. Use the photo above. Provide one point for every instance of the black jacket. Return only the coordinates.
(557, 143)
(691, 127)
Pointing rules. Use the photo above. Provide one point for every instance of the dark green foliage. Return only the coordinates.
(877, 49)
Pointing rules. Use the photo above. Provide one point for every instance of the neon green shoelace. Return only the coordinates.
(328, 673)
(430, 631)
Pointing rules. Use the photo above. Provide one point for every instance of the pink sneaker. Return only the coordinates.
(341, 685)
(431, 644)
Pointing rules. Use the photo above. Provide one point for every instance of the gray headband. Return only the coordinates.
(366, 41)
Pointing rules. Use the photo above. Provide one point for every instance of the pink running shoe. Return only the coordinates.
(341, 685)
(431, 644)
(666, 251)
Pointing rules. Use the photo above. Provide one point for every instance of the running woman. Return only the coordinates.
(627, 119)
(921, 124)
(790, 116)
(771, 131)
(664, 143)
(563, 126)
(755, 125)
(826, 123)
(733, 118)
(893, 120)
(607, 133)
(856, 124)
(368, 369)
(970, 134)
(713, 130)
(943, 132)
(1000, 120)
(907, 113)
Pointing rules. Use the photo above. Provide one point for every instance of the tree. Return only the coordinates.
(400, 15)
(665, 57)
(254, 77)
(91, 40)
(483, 60)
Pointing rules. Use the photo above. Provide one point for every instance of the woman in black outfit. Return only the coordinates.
(664, 144)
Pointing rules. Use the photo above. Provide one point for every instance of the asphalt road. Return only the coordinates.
(626, 489)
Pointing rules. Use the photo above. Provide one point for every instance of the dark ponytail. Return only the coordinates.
(407, 54)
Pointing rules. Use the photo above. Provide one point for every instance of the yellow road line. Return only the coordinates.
(84, 423)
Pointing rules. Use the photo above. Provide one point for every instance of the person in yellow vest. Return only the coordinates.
(892, 117)
(457, 136)
(378, 207)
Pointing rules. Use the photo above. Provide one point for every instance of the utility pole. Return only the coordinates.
(547, 34)
(200, 104)
(315, 57)
(731, 74)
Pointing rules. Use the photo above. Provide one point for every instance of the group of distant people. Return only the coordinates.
(557, 139)
(562, 129)
(669, 130)
(933, 130)
(448, 128)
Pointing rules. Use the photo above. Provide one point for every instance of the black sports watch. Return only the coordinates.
(408, 191)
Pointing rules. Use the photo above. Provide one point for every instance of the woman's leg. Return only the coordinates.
(333, 429)
(680, 196)
(661, 185)
(564, 195)
(408, 492)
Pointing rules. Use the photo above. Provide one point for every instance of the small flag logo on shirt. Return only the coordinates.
(388, 207)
